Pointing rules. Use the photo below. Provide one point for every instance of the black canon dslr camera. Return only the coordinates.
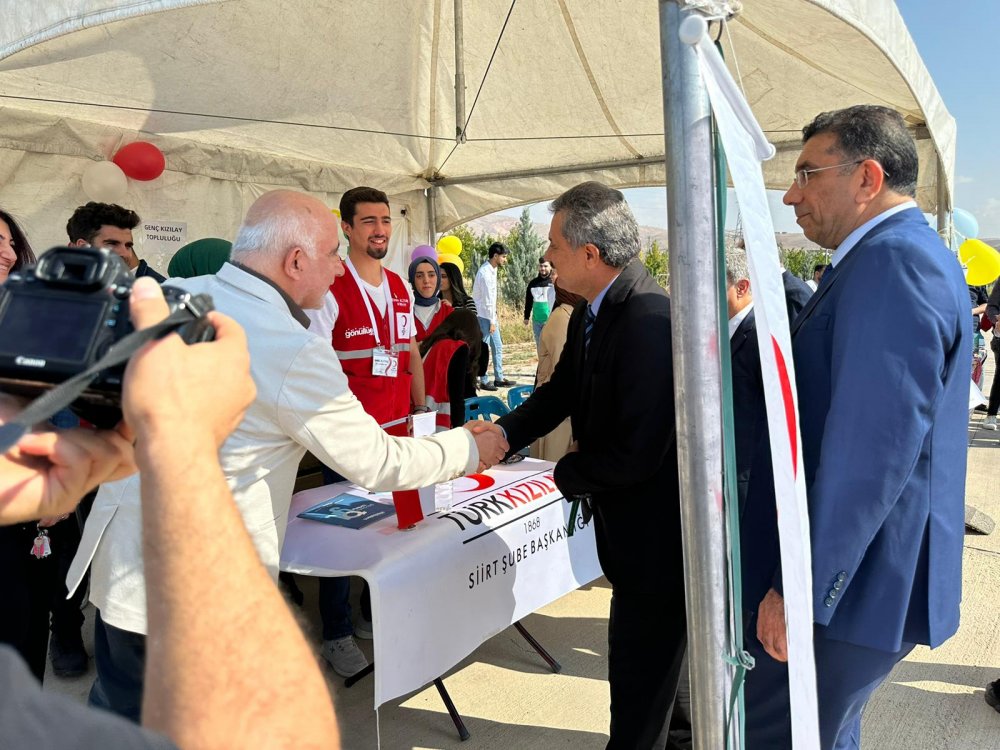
(61, 316)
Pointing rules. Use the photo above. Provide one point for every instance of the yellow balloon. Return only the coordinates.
(982, 262)
(449, 244)
(453, 259)
(967, 249)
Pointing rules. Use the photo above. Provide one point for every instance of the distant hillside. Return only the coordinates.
(497, 225)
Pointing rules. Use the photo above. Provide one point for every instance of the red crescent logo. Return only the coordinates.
(786, 395)
(473, 483)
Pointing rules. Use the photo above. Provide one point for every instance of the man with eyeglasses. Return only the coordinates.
(884, 407)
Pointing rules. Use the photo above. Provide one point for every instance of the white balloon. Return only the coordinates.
(104, 181)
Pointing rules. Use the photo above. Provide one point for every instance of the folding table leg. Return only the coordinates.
(359, 675)
(463, 733)
(556, 666)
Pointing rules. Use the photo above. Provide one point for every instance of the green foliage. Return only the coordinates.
(801, 262)
(474, 247)
(657, 263)
(525, 247)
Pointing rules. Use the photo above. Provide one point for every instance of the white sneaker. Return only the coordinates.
(364, 629)
(344, 656)
(990, 423)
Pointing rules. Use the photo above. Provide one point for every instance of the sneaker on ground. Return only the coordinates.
(69, 659)
(505, 383)
(364, 629)
(487, 387)
(344, 656)
(990, 423)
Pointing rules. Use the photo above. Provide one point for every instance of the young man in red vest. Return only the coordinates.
(369, 314)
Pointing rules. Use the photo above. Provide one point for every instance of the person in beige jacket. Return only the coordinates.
(556, 444)
(284, 259)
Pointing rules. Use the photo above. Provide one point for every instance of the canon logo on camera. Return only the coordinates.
(29, 362)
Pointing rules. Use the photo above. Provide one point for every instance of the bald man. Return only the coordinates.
(285, 257)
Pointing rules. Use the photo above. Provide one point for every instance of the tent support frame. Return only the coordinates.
(697, 375)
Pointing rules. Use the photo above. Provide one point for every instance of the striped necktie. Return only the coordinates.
(588, 327)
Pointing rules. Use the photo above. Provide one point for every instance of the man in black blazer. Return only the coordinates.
(749, 411)
(797, 293)
(615, 382)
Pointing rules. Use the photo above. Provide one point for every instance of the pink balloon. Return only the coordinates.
(140, 161)
(423, 251)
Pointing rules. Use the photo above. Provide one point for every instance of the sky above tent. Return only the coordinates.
(959, 47)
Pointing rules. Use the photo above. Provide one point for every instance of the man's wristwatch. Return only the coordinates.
(420, 410)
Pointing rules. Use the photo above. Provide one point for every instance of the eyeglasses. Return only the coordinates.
(802, 175)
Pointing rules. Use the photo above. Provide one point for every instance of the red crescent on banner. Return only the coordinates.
(479, 483)
(786, 395)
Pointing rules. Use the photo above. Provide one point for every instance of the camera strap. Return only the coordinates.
(68, 391)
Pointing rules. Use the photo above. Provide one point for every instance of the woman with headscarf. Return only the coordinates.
(429, 310)
(199, 258)
(554, 446)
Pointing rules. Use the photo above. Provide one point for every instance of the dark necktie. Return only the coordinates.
(588, 327)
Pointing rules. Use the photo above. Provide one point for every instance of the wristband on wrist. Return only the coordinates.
(419, 410)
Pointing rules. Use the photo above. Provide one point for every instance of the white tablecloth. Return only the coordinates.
(443, 588)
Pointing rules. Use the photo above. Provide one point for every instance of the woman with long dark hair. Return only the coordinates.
(31, 586)
(453, 291)
(15, 250)
(451, 355)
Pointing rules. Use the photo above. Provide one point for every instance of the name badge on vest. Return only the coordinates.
(385, 364)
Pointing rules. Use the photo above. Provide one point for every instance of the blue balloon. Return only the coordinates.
(965, 224)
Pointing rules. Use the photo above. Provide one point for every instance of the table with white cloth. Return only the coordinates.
(457, 578)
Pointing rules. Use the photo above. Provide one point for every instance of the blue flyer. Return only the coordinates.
(350, 511)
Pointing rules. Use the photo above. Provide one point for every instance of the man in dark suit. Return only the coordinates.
(749, 412)
(883, 399)
(615, 382)
(797, 294)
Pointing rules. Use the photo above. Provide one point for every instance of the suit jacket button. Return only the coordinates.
(828, 602)
(837, 585)
(842, 575)
(833, 593)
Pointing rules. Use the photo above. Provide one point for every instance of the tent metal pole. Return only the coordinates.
(431, 215)
(697, 375)
(943, 204)
(459, 72)
(549, 171)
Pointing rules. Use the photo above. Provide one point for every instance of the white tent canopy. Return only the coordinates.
(243, 96)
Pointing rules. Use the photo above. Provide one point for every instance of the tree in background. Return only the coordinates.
(525, 245)
(474, 247)
(801, 262)
(657, 262)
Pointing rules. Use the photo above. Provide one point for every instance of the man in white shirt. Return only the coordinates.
(484, 294)
(284, 259)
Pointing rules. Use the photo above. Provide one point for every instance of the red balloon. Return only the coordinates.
(140, 161)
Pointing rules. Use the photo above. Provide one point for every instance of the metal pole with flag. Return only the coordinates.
(745, 147)
(697, 376)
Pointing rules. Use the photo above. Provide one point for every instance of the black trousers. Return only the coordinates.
(994, 405)
(647, 638)
(120, 657)
(27, 585)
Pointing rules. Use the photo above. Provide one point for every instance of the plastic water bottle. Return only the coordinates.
(443, 494)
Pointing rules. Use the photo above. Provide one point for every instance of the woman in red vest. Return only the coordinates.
(451, 366)
(429, 310)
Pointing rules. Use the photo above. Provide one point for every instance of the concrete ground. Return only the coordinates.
(509, 698)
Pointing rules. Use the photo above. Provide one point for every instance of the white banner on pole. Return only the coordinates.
(746, 147)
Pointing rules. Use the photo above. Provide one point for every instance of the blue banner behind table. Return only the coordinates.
(350, 511)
